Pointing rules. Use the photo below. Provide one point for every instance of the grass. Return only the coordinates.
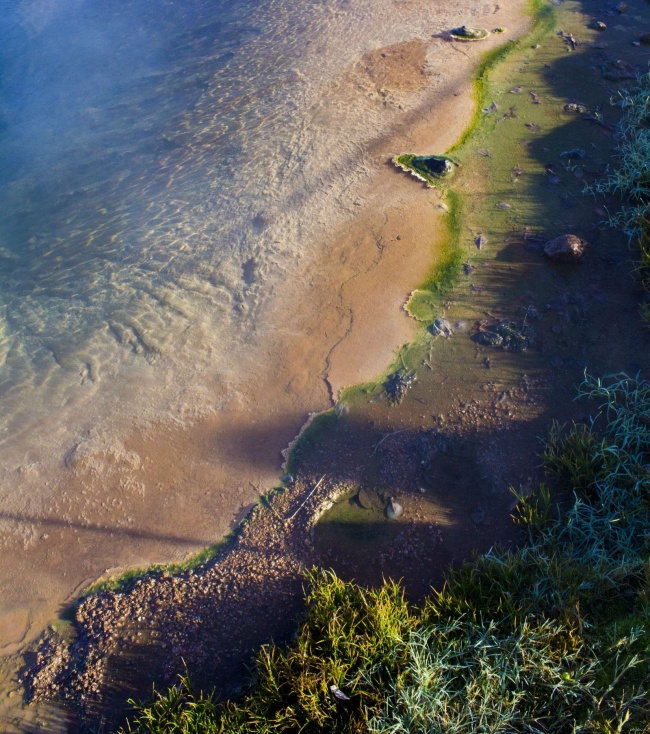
(549, 637)
(630, 179)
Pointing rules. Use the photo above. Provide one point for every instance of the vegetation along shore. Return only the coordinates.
(445, 578)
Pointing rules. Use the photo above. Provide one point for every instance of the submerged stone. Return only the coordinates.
(394, 510)
(442, 327)
(508, 335)
(566, 248)
(489, 339)
(397, 384)
(465, 33)
(438, 166)
(615, 70)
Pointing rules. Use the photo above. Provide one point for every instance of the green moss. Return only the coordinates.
(424, 303)
(124, 580)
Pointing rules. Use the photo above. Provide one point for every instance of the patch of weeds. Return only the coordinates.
(575, 456)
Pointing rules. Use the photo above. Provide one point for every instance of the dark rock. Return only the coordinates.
(489, 339)
(515, 338)
(615, 70)
(578, 107)
(397, 385)
(566, 249)
(573, 153)
(478, 516)
(645, 39)
(598, 25)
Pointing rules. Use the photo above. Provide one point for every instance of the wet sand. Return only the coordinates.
(168, 490)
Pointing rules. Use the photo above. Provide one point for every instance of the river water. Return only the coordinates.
(163, 167)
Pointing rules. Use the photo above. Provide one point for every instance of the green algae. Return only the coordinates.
(427, 168)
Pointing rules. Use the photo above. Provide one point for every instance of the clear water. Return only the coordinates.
(163, 166)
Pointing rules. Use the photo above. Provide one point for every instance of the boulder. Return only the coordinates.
(566, 249)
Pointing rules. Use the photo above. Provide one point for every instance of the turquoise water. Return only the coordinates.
(164, 167)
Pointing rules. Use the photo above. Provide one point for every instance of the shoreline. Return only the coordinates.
(356, 350)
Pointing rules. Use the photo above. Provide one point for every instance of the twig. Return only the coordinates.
(388, 435)
(304, 502)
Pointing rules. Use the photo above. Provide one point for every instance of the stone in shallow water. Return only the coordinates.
(397, 384)
(465, 33)
(367, 498)
(566, 248)
(442, 327)
(394, 510)
(437, 166)
(489, 339)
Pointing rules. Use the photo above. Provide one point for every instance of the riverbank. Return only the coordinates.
(474, 412)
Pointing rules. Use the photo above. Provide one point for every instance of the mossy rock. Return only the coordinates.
(465, 33)
(428, 168)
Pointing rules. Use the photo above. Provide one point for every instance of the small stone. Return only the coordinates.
(503, 205)
(365, 498)
(615, 70)
(599, 26)
(442, 327)
(489, 339)
(480, 241)
(566, 248)
(394, 510)
(578, 107)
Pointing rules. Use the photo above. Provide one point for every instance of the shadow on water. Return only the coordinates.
(114, 530)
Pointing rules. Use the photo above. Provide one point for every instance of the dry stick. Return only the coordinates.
(388, 435)
(306, 498)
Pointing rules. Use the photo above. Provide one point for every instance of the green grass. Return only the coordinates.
(549, 637)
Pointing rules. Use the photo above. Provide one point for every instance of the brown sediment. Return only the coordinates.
(168, 490)
(402, 67)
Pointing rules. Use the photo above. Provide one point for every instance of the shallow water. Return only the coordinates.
(164, 168)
